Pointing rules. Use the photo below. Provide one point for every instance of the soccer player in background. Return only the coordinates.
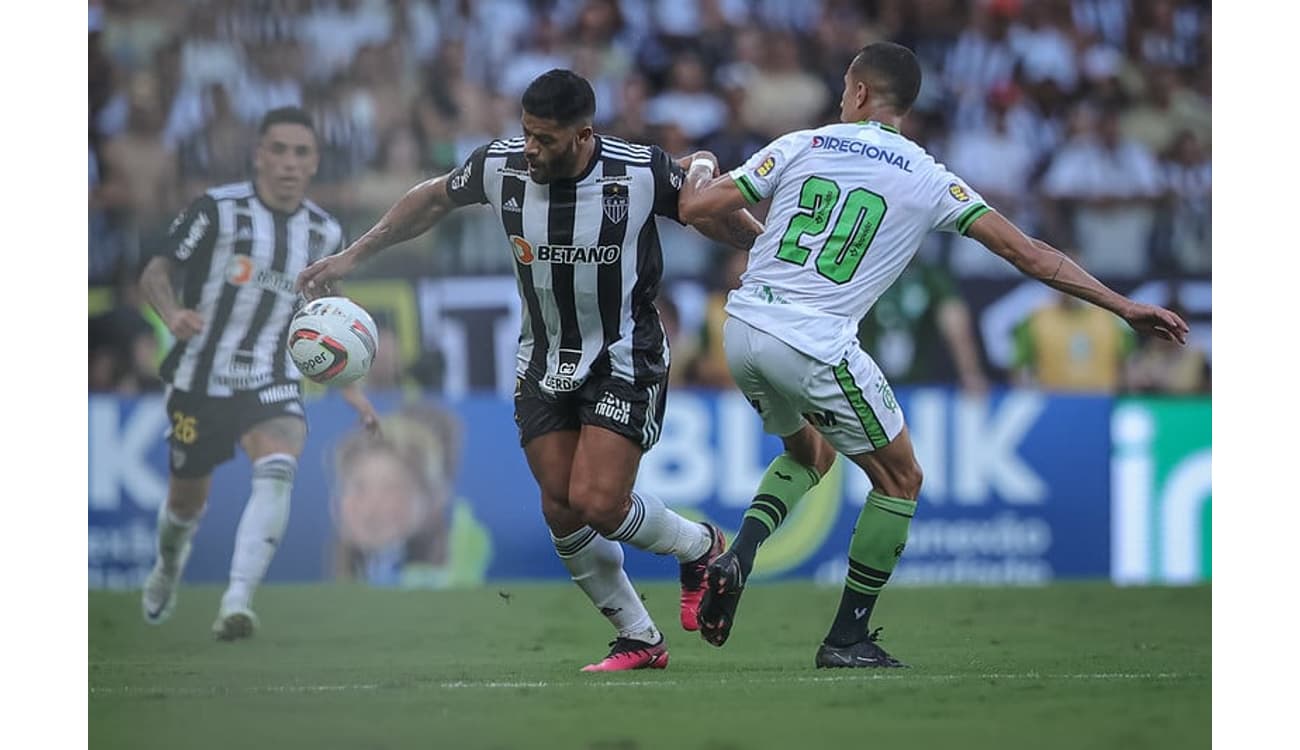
(579, 212)
(238, 249)
(851, 203)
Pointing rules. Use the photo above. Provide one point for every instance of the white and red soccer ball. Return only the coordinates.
(332, 341)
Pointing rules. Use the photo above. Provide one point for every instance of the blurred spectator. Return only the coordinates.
(1187, 175)
(1105, 186)
(398, 520)
(735, 142)
(1044, 43)
(709, 367)
(687, 102)
(1070, 345)
(981, 58)
(451, 107)
(920, 330)
(221, 152)
(781, 96)
(1163, 367)
(999, 164)
(1166, 110)
(335, 30)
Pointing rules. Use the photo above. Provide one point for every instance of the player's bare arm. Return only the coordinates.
(156, 283)
(357, 399)
(735, 226)
(417, 212)
(1041, 261)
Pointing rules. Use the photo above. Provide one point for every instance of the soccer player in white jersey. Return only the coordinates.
(578, 210)
(237, 249)
(851, 203)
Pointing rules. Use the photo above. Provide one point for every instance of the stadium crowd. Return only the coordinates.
(1086, 121)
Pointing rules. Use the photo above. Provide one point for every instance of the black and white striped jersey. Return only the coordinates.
(587, 257)
(240, 259)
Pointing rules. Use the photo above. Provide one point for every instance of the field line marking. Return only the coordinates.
(699, 680)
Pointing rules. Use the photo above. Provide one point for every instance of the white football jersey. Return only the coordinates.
(851, 203)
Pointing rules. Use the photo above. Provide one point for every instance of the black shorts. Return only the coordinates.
(205, 429)
(634, 411)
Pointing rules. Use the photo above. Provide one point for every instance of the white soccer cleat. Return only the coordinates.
(234, 621)
(158, 599)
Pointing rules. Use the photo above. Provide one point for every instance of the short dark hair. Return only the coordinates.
(282, 115)
(560, 95)
(893, 67)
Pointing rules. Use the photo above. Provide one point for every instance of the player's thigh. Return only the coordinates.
(604, 469)
(852, 404)
(766, 371)
(550, 459)
(201, 435)
(186, 496)
(272, 421)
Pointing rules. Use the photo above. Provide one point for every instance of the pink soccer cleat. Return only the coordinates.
(627, 653)
(693, 579)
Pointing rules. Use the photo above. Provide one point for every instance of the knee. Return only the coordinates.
(599, 508)
(810, 449)
(909, 480)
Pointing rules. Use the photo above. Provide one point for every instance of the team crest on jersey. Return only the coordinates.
(766, 167)
(615, 200)
(958, 192)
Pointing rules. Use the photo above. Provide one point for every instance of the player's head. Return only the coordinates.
(883, 78)
(286, 157)
(558, 108)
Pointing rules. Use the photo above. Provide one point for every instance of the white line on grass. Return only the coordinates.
(600, 683)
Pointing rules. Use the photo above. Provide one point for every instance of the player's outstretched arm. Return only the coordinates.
(357, 399)
(719, 212)
(414, 214)
(1041, 261)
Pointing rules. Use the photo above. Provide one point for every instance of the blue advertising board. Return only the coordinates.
(1016, 491)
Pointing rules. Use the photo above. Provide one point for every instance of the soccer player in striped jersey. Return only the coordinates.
(238, 250)
(851, 203)
(578, 210)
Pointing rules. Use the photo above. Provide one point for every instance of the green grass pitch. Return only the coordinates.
(1078, 665)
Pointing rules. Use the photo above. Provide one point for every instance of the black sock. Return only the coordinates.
(851, 620)
(752, 533)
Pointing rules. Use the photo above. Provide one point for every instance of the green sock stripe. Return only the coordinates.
(896, 505)
(877, 580)
(867, 571)
(866, 415)
(764, 515)
(862, 589)
(774, 504)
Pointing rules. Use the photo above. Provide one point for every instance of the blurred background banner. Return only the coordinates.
(1021, 487)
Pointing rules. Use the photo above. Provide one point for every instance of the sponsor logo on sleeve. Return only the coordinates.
(957, 191)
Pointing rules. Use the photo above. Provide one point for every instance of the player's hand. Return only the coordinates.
(185, 324)
(685, 161)
(317, 280)
(1150, 320)
(370, 420)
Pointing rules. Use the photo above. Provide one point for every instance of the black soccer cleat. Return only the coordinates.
(723, 584)
(864, 653)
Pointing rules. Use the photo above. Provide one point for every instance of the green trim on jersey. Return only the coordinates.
(747, 189)
(866, 415)
(883, 126)
(966, 219)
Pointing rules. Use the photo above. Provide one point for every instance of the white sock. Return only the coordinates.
(596, 565)
(262, 525)
(651, 526)
(173, 533)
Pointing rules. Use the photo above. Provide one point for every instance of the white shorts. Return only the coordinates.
(850, 403)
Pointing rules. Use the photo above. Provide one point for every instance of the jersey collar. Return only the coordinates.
(881, 125)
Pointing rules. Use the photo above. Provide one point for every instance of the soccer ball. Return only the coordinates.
(332, 341)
